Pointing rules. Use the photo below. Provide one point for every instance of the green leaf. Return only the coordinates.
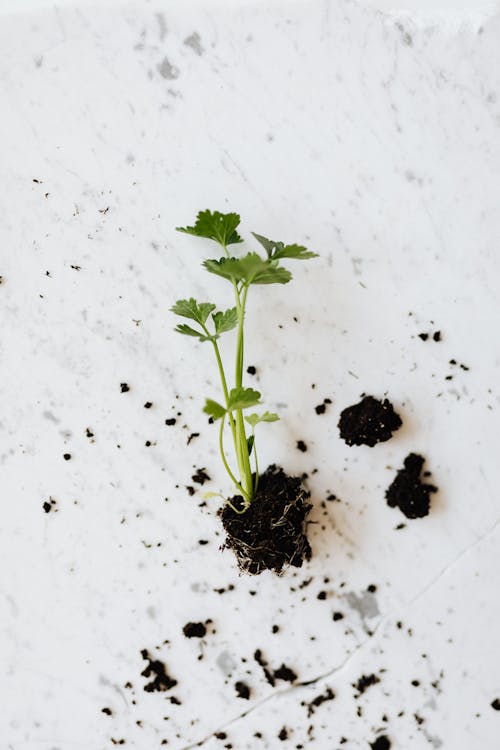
(268, 245)
(215, 226)
(213, 409)
(254, 419)
(278, 250)
(190, 308)
(225, 321)
(188, 331)
(298, 252)
(242, 398)
(250, 442)
(250, 269)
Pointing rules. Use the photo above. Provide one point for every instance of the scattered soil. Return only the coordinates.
(171, 421)
(407, 492)
(364, 682)
(369, 422)
(194, 630)
(496, 704)
(301, 446)
(271, 533)
(328, 695)
(124, 387)
(161, 680)
(251, 370)
(381, 743)
(201, 476)
(282, 673)
(242, 690)
(285, 673)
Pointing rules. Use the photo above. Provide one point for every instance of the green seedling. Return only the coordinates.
(208, 324)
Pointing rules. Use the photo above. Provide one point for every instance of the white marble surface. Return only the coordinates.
(372, 137)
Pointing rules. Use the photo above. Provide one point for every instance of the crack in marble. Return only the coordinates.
(452, 563)
(344, 664)
(286, 691)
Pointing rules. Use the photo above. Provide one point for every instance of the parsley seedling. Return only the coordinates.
(241, 272)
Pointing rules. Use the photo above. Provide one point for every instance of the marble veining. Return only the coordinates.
(369, 132)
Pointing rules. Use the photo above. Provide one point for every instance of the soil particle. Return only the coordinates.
(364, 682)
(496, 704)
(48, 506)
(67, 456)
(148, 404)
(271, 533)
(338, 616)
(381, 743)
(251, 370)
(194, 630)
(263, 663)
(301, 446)
(242, 690)
(407, 492)
(161, 680)
(124, 387)
(106, 711)
(283, 735)
(200, 477)
(369, 422)
(193, 436)
(328, 695)
(285, 673)
(171, 421)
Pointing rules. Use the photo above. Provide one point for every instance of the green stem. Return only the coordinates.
(226, 465)
(256, 482)
(241, 437)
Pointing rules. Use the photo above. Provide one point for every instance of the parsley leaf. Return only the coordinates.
(213, 409)
(249, 269)
(278, 250)
(188, 331)
(298, 252)
(254, 419)
(225, 321)
(242, 398)
(190, 308)
(215, 226)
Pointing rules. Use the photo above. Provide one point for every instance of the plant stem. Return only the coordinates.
(226, 465)
(241, 437)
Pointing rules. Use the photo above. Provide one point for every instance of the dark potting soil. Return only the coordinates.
(194, 630)
(364, 682)
(407, 492)
(242, 690)
(271, 533)
(369, 422)
(328, 695)
(381, 743)
(156, 669)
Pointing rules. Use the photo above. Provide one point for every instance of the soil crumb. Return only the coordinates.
(328, 695)
(369, 422)
(272, 532)
(156, 669)
(381, 743)
(364, 682)
(407, 492)
(194, 630)
(242, 690)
